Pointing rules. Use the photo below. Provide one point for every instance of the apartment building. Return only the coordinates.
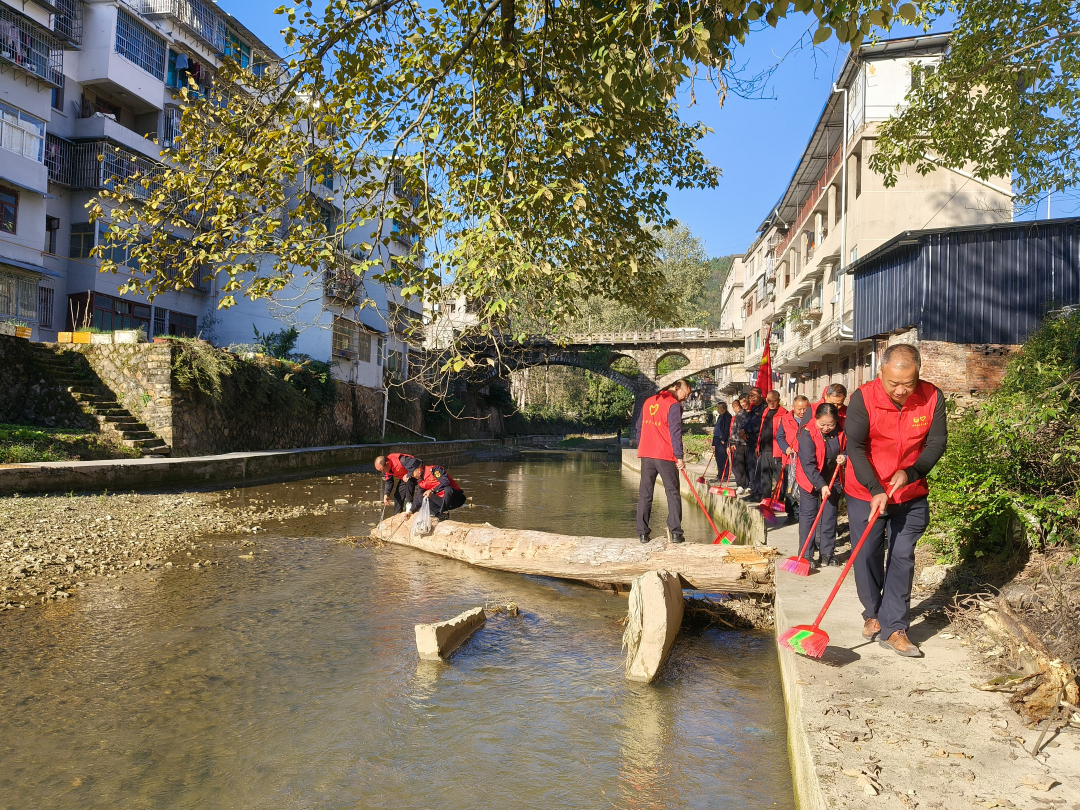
(446, 317)
(731, 379)
(834, 209)
(89, 93)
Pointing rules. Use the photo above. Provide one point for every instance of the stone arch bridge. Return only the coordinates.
(703, 349)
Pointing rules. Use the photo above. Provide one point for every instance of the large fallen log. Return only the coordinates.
(604, 560)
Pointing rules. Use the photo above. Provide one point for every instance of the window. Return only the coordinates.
(18, 296)
(855, 253)
(363, 347)
(382, 351)
(46, 296)
(21, 133)
(181, 325)
(918, 73)
(136, 43)
(58, 97)
(82, 240)
(238, 50)
(161, 322)
(9, 209)
(52, 227)
(341, 344)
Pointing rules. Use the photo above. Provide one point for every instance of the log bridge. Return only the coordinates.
(598, 561)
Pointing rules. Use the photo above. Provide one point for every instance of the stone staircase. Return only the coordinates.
(70, 371)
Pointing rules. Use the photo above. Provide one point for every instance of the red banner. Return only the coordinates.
(764, 375)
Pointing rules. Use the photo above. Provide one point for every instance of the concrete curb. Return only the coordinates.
(219, 470)
(437, 640)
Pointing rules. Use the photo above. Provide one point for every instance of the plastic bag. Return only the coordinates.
(793, 490)
(422, 523)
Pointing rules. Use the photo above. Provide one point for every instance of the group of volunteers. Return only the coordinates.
(410, 482)
(874, 452)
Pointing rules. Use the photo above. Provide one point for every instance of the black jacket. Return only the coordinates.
(722, 432)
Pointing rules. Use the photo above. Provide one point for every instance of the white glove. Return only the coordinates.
(408, 509)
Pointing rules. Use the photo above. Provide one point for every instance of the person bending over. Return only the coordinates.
(400, 468)
(440, 489)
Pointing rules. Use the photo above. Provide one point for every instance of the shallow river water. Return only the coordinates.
(291, 680)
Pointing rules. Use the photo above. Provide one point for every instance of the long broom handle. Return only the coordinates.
(727, 465)
(698, 498)
(820, 511)
(874, 515)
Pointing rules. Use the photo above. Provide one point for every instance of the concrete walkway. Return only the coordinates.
(226, 468)
(914, 732)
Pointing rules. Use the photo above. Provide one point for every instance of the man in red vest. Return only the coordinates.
(439, 488)
(769, 451)
(403, 468)
(660, 451)
(896, 433)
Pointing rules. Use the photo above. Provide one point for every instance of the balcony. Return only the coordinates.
(99, 126)
(101, 164)
(196, 16)
(68, 21)
(342, 283)
(59, 159)
(30, 49)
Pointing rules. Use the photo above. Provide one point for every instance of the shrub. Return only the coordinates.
(1014, 460)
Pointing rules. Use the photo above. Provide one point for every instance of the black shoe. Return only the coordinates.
(677, 536)
(644, 538)
(825, 561)
(833, 562)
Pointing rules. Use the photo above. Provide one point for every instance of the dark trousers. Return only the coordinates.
(403, 494)
(440, 504)
(753, 469)
(825, 534)
(885, 587)
(669, 473)
(738, 465)
(772, 471)
(721, 461)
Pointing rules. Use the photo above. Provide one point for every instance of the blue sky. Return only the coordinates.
(755, 142)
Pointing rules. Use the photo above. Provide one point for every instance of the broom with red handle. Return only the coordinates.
(810, 639)
(701, 478)
(703, 509)
(768, 506)
(800, 566)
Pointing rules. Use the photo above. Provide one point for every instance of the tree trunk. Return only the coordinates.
(603, 560)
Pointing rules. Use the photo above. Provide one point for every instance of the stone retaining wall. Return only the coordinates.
(140, 375)
(27, 393)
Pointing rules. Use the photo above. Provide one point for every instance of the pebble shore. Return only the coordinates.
(52, 545)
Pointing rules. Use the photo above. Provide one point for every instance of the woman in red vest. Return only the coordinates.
(660, 452)
(821, 448)
(439, 488)
(896, 434)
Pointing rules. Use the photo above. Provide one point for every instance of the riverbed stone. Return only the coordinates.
(656, 613)
(437, 640)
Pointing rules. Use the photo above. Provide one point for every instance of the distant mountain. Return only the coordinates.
(719, 269)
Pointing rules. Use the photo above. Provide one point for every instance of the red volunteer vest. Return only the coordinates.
(394, 467)
(655, 438)
(777, 418)
(434, 476)
(897, 437)
(819, 453)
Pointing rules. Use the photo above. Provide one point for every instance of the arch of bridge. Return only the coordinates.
(573, 360)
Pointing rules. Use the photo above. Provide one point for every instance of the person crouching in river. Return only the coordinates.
(439, 488)
(821, 448)
(404, 468)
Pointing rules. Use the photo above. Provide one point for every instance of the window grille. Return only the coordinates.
(68, 21)
(171, 127)
(195, 15)
(29, 47)
(99, 164)
(136, 43)
(161, 321)
(18, 296)
(363, 347)
(58, 157)
(342, 339)
(46, 297)
(21, 133)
